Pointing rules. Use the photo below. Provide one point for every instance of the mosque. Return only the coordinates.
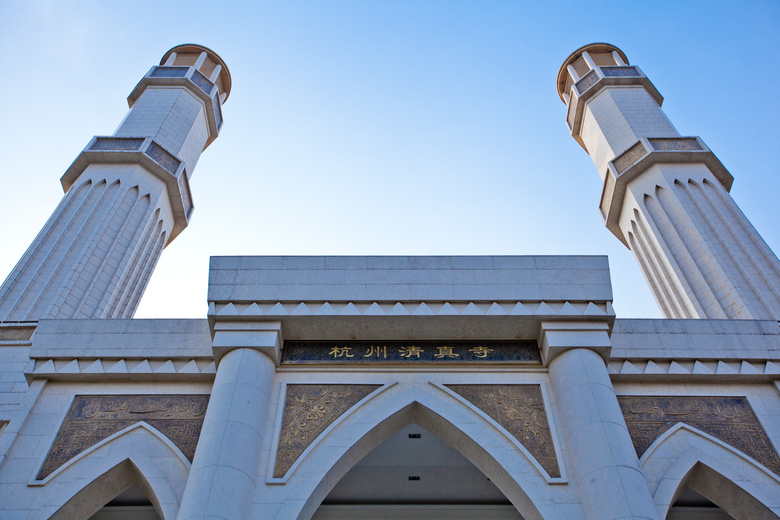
(393, 387)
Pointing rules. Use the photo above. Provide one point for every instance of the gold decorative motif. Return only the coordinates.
(520, 410)
(308, 410)
(92, 418)
(730, 419)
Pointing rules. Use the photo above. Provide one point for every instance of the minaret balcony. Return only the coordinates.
(597, 79)
(643, 154)
(191, 79)
(147, 153)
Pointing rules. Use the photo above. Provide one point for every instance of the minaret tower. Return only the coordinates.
(126, 197)
(665, 196)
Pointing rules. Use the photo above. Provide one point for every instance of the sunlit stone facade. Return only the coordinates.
(386, 387)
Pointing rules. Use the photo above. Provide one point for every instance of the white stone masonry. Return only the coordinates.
(127, 196)
(665, 196)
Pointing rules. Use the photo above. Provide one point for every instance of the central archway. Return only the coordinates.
(431, 417)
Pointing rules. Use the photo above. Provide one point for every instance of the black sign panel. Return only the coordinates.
(411, 352)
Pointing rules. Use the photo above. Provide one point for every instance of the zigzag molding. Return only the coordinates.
(127, 367)
(504, 308)
(693, 368)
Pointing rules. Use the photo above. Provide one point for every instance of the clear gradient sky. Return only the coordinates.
(384, 127)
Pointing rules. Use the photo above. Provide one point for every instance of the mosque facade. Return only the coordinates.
(393, 387)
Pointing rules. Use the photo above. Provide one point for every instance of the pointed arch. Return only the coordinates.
(98, 492)
(687, 457)
(442, 415)
(139, 454)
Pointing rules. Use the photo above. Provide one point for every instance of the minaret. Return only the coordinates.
(665, 196)
(126, 197)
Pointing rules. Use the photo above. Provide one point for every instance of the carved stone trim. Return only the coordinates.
(92, 418)
(125, 368)
(624, 369)
(730, 419)
(369, 308)
(308, 411)
(629, 157)
(519, 409)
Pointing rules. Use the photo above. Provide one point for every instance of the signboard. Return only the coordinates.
(523, 352)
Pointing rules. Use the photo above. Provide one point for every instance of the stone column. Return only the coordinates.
(224, 471)
(610, 483)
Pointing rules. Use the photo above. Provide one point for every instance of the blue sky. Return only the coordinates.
(372, 127)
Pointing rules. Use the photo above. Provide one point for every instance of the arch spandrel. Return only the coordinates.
(137, 455)
(686, 457)
(437, 412)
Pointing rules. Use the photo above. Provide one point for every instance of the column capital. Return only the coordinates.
(556, 337)
(263, 336)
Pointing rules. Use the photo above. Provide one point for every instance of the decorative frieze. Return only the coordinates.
(629, 157)
(587, 81)
(503, 308)
(92, 418)
(620, 72)
(729, 419)
(169, 72)
(626, 370)
(520, 410)
(308, 411)
(125, 368)
(163, 157)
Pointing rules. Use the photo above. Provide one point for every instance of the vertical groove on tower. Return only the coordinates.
(666, 290)
(78, 258)
(765, 271)
(676, 238)
(151, 262)
(31, 263)
(121, 257)
(112, 248)
(125, 307)
(717, 233)
(648, 271)
(80, 298)
(130, 276)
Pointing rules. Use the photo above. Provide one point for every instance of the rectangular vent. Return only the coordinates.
(414, 477)
(414, 435)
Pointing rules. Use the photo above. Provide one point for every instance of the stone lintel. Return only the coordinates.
(264, 336)
(556, 337)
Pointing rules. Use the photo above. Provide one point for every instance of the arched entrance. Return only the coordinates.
(415, 474)
(138, 465)
(729, 499)
(89, 502)
(689, 468)
(494, 457)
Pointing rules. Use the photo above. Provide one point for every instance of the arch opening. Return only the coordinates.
(125, 486)
(355, 486)
(706, 494)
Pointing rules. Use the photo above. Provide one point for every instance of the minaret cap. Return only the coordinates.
(195, 49)
(574, 56)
